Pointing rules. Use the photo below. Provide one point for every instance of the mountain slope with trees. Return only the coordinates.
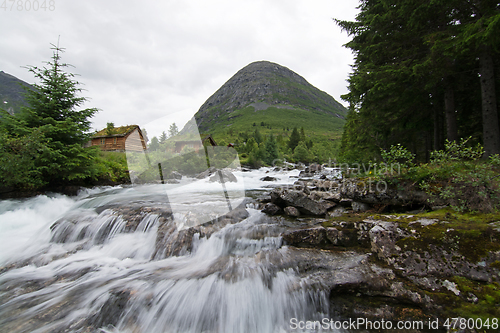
(424, 72)
(263, 107)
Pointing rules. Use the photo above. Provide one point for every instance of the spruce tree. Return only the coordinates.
(173, 130)
(294, 139)
(53, 109)
(271, 150)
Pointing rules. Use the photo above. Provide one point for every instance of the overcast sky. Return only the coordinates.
(140, 61)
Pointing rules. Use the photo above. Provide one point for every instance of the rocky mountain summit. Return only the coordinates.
(263, 84)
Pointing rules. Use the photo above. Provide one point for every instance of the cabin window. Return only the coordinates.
(103, 141)
(114, 141)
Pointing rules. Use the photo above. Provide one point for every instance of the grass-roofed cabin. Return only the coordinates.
(121, 138)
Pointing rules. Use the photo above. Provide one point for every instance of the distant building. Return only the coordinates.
(120, 139)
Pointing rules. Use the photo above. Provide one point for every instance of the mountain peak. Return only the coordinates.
(269, 83)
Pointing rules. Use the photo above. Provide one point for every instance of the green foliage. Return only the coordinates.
(110, 128)
(154, 144)
(457, 151)
(398, 154)
(301, 153)
(257, 136)
(163, 137)
(409, 57)
(320, 129)
(456, 177)
(271, 147)
(294, 139)
(47, 137)
(18, 155)
(111, 166)
(173, 130)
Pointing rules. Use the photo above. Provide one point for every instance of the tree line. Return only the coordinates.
(43, 145)
(425, 72)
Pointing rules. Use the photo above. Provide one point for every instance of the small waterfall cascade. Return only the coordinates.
(114, 261)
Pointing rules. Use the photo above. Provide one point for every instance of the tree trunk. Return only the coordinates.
(451, 116)
(438, 125)
(491, 129)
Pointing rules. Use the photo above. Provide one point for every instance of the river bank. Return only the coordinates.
(154, 265)
(418, 258)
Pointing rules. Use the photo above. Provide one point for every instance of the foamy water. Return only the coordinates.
(89, 272)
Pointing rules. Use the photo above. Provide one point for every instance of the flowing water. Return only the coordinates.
(123, 259)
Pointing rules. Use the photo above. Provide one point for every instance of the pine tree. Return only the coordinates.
(414, 72)
(257, 136)
(163, 137)
(154, 144)
(53, 109)
(271, 150)
(173, 130)
(301, 154)
(294, 139)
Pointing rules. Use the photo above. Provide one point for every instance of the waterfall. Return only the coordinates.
(112, 260)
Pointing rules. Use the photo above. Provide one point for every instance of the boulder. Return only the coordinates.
(301, 201)
(306, 237)
(271, 209)
(268, 179)
(292, 211)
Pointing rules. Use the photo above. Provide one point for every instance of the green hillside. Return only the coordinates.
(265, 99)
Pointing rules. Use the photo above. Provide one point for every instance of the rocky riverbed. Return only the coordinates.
(422, 261)
(124, 259)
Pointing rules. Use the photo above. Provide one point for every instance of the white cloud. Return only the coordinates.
(140, 61)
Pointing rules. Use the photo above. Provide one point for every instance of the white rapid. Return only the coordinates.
(103, 267)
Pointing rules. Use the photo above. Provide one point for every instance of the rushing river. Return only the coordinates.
(123, 259)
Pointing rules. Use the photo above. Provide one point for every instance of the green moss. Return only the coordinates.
(487, 302)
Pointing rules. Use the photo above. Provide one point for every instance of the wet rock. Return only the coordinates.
(383, 237)
(175, 175)
(271, 209)
(337, 211)
(319, 195)
(359, 206)
(345, 202)
(313, 168)
(301, 201)
(305, 174)
(268, 179)
(306, 237)
(111, 310)
(423, 222)
(238, 214)
(223, 176)
(292, 211)
(206, 173)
